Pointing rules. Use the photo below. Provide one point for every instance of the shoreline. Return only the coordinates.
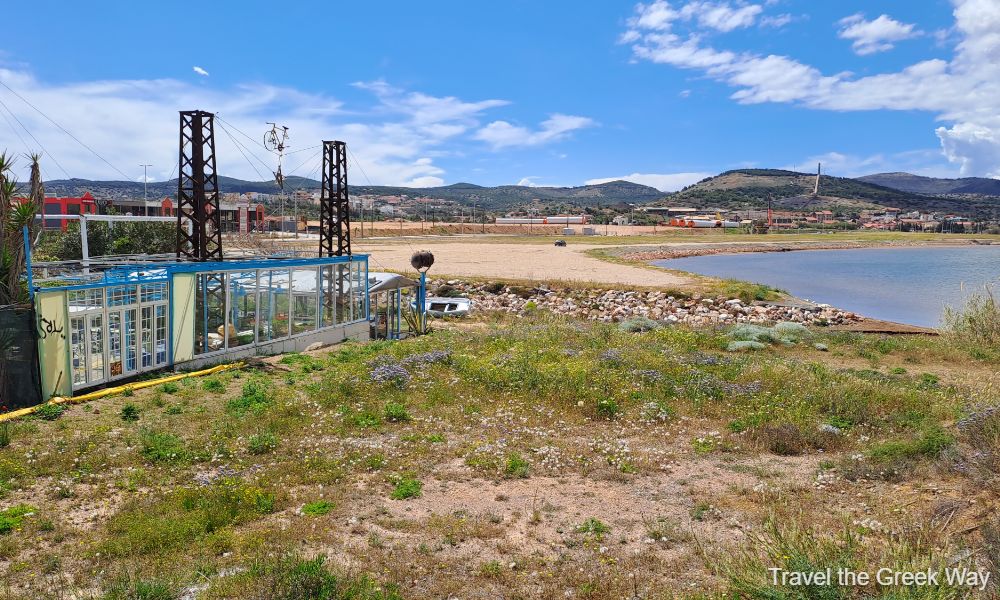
(687, 250)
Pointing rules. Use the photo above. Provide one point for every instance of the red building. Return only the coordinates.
(67, 206)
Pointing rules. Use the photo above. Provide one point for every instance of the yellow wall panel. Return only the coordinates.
(182, 304)
(53, 344)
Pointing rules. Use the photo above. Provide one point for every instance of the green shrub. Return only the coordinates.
(162, 447)
(127, 587)
(257, 396)
(13, 517)
(292, 577)
(516, 466)
(395, 412)
(594, 528)
(366, 420)
(49, 411)
(184, 516)
(317, 508)
(169, 388)
(977, 324)
(743, 345)
(752, 333)
(639, 325)
(608, 408)
(130, 413)
(5, 434)
(262, 443)
(789, 331)
(128, 392)
(929, 444)
(213, 385)
(407, 488)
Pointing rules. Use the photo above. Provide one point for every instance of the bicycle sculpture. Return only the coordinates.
(276, 140)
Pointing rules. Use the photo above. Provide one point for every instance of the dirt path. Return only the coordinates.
(519, 261)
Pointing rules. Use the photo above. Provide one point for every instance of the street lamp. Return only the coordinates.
(145, 180)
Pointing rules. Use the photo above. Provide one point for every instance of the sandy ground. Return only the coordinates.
(518, 261)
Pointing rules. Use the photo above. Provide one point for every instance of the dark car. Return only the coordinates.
(560, 243)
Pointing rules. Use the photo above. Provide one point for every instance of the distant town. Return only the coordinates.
(298, 212)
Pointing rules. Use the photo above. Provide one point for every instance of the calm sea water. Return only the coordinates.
(906, 285)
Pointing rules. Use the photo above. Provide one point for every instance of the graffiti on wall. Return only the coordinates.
(47, 328)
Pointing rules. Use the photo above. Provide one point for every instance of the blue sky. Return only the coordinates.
(495, 93)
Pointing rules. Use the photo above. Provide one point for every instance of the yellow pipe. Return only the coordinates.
(117, 390)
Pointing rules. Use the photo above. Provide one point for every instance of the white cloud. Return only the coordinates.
(776, 21)
(528, 181)
(920, 162)
(665, 182)
(721, 16)
(878, 35)
(961, 91)
(425, 181)
(200, 71)
(396, 140)
(502, 134)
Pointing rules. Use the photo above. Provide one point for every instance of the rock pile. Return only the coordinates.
(618, 305)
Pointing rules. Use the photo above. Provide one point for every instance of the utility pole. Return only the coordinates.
(145, 180)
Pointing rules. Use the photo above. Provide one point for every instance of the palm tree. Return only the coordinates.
(14, 216)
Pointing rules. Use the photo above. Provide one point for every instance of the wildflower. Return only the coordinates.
(390, 373)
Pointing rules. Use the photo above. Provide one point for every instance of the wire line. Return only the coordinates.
(63, 129)
(26, 130)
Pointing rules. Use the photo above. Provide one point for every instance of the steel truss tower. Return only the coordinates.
(334, 206)
(198, 189)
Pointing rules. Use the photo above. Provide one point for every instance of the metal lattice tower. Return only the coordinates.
(334, 206)
(198, 189)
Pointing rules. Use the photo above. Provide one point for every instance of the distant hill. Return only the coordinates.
(918, 184)
(737, 189)
(743, 188)
(500, 198)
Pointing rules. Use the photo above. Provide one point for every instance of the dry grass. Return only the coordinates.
(485, 470)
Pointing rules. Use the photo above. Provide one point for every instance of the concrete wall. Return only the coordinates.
(53, 344)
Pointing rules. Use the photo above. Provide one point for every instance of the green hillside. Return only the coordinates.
(743, 188)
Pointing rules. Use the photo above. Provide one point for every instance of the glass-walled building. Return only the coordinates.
(137, 318)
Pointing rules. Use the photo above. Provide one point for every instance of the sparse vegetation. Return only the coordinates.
(407, 488)
(130, 413)
(262, 443)
(976, 326)
(621, 454)
(317, 508)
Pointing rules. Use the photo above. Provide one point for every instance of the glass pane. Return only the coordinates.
(96, 348)
(358, 288)
(154, 292)
(80, 300)
(161, 334)
(130, 337)
(304, 300)
(146, 333)
(210, 313)
(243, 308)
(121, 295)
(343, 293)
(328, 295)
(114, 344)
(273, 305)
(78, 349)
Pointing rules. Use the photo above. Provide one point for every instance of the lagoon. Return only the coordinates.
(907, 285)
